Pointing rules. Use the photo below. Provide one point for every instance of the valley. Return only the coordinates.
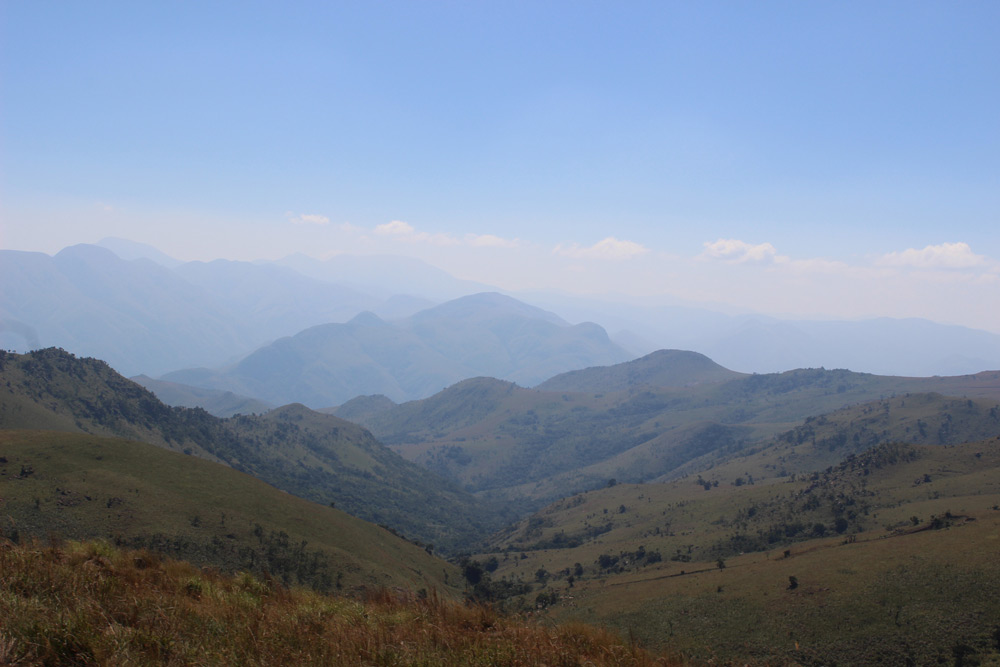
(707, 515)
(500, 334)
(485, 450)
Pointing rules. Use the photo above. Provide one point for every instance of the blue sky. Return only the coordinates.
(805, 158)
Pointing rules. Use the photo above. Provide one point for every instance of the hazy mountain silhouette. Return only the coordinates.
(139, 315)
(385, 275)
(761, 344)
(482, 334)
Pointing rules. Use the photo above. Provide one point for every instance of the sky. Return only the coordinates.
(802, 159)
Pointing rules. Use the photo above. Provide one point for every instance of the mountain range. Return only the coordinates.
(147, 313)
(479, 335)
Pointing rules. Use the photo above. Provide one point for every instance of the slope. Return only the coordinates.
(76, 486)
(515, 443)
(98, 605)
(887, 557)
(319, 457)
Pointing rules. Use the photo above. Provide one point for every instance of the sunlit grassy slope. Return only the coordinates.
(890, 556)
(92, 604)
(78, 486)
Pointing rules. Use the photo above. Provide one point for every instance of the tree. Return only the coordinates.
(473, 571)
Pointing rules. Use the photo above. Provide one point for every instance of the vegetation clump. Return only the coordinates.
(91, 603)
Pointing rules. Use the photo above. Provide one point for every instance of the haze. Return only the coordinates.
(801, 159)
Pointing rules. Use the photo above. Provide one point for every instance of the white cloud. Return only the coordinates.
(307, 219)
(943, 256)
(395, 228)
(736, 251)
(609, 248)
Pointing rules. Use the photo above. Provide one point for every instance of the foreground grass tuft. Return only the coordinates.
(89, 603)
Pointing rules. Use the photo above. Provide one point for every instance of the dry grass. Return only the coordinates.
(88, 603)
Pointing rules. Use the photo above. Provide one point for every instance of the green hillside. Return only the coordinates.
(318, 457)
(533, 446)
(77, 486)
(825, 440)
(888, 557)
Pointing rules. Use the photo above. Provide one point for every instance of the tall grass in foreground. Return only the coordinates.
(89, 603)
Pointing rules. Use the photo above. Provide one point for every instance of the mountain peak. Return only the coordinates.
(663, 368)
(367, 319)
(488, 305)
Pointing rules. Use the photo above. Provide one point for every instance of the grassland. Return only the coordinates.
(893, 552)
(84, 487)
(88, 603)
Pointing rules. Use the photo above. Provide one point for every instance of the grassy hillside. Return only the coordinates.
(504, 441)
(318, 457)
(91, 604)
(825, 440)
(893, 555)
(131, 493)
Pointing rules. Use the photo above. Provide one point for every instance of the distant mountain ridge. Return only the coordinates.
(759, 343)
(217, 403)
(385, 275)
(140, 315)
(147, 313)
(479, 335)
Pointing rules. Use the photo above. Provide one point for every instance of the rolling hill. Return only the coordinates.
(663, 368)
(318, 457)
(505, 441)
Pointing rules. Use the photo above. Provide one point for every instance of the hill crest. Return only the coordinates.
(663, 368)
